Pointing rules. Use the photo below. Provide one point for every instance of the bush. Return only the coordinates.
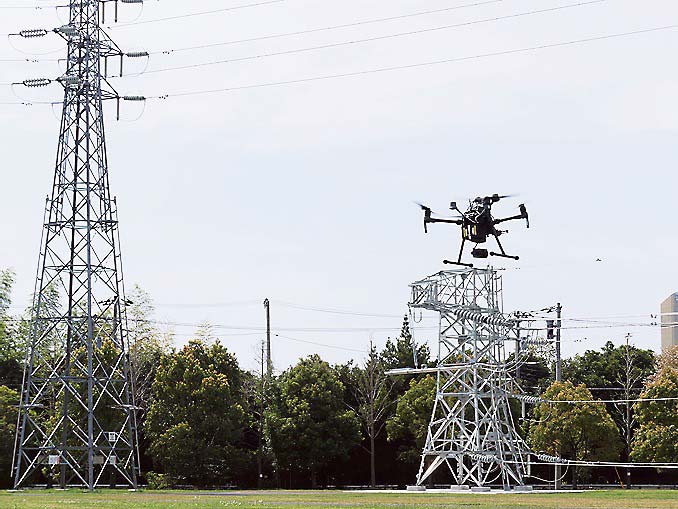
(158, 481)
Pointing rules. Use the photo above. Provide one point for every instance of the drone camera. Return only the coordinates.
(480, 253)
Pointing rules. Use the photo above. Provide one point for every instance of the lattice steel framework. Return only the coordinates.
(77, 414)
(472, 430)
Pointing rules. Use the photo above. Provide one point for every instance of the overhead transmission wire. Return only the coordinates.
(266, 37)
(365, 328)
(375, 38)
(343, 43)
(321, 29)
(319, 344)
(334, 311)
(564, 462)
(537, 400)
(32, 7)
(390, 68)
(416, 65)
(196, 14)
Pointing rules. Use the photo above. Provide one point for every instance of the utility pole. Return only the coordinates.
(559, 362)
(269, 363)
(559, 376)
(262, 396)
(627, 397)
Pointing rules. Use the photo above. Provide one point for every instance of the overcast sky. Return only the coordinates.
(303, 192)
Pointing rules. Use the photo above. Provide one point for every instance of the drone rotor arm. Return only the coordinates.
(448, 221)
(512, 218)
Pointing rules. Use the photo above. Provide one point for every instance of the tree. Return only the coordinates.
(409, 425)
(373, 391)
(11, 350)
(576, 431)
(6, 283)
(656, 439)
(49, 339)
(9, 400)
(308, 422)
(606, 369)
(401, 353)
(534, 374)
(146, 344)
(617, 373)
(196, 420)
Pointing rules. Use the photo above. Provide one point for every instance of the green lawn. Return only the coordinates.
(645, 499)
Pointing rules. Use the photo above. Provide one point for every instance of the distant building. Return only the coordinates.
(670, 321)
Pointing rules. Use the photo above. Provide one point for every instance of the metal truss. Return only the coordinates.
(77, 415)
(472, 430)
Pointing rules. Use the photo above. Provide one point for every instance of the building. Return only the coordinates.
(669, 310)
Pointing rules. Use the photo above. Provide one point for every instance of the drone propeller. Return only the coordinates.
(523, 211)
(497, 197)
(428, 216)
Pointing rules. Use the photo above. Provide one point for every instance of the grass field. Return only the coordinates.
(645, 499)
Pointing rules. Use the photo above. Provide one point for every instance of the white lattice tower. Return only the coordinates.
(471, 431)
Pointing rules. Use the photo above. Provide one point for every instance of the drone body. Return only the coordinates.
(477, 225)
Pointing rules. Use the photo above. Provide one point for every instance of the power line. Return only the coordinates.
(537, 400)
(32, 7)
(373, 39)
(565, 462)
(362, 329)
(242, 303)
(195, 14)
(322, 29)
(335, 311)
(319, 344)
(386, 69)
(416, 65)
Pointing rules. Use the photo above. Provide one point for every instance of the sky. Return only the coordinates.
(303, 192)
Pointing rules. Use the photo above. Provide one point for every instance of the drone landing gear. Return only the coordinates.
(503, 253)
(449, 262)
(505, 256)
(461, 253)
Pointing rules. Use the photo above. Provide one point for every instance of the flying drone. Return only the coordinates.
(477, 224)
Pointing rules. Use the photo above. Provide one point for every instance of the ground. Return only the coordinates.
(635, 499)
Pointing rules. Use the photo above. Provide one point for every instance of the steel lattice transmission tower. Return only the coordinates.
(471, 430)
(77, 414)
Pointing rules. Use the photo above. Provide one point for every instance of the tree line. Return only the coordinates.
(207, 422)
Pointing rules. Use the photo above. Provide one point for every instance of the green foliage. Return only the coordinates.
(51, 345)
(535, 373)
(147, 346)
(606, 368)
(580, 432)
(195, 423)
(157, 481)
(410, 422)
(400, 354)
(657, 437)
(308, 422)
(8, 415)
(6, 283)
(12, 348)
